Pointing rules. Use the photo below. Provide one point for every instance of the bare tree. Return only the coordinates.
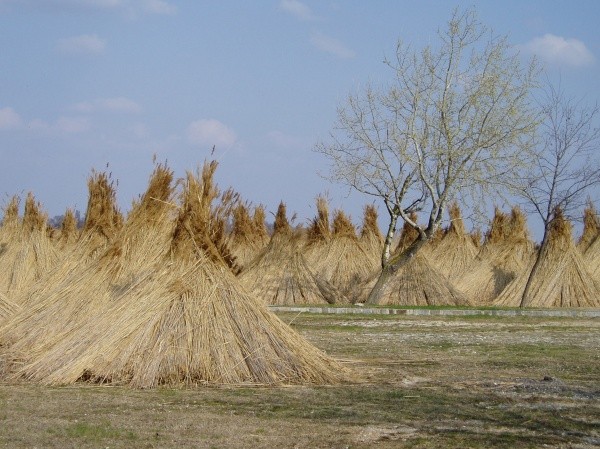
(455, 123)
(566, 165)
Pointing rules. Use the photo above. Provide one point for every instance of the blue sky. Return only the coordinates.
(84, 83)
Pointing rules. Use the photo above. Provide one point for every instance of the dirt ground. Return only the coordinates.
(421, 382)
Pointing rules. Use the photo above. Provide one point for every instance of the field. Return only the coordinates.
(422, 382)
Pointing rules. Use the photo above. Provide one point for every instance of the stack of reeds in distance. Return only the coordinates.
(102, 217)
(68, 234)
(9, 230)
(280, 275)
(338, 256)
(248, 234)
(453, 255)
(418, 282)
(102, 222)
(591, 228)
(370, 235)
(506, 252)
(590, 243)
(30, 254)
(190, 322)
(562, 278)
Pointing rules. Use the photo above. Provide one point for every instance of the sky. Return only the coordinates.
(254, 85)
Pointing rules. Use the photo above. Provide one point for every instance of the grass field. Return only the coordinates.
(422, 382)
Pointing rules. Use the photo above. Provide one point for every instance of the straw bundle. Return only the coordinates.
(591, 228)
(418, 283)
(507, 251)
(259, 222)
(10, 221)
(370, 234)
(7, 308)
(186, 322)
(341, 260)
(318, 231)
(562, 278)
(30, 255)
(189, 324)
(280, 275)
(453, 255)
(102, 217)
(248, 236)
(201, 224)
(69, 234)
(75, 291)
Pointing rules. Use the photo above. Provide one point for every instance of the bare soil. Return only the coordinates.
(422, 382)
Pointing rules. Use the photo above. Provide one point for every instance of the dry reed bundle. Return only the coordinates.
(370, 236)
(281, 276)
(186, 326)
(260, 225)
(30, 255)
(201, 224)
(188, 322)
(591, 256)
(10, 221)
(507, 251)
(418, 283)
(247, 237)
(7, 307)
(562, 278)
(146, 234)
(319, 231)
(341, 260)
(591, 228)
(102, 217)
(69, 234)
(58, 303)
(453, 255)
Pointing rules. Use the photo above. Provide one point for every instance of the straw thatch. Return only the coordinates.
(507, 251)
(280, 275)
(562, 278)
(591, 228)
(453, 255)
(341, 259)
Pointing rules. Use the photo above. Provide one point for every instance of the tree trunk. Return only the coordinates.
(394, 264)
(389, 236)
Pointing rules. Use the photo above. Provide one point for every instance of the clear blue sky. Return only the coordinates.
(84, 83)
